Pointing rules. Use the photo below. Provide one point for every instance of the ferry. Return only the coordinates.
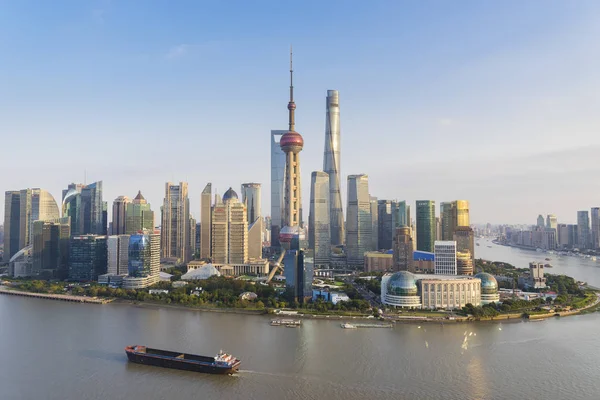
(222, 363)
(286, 322)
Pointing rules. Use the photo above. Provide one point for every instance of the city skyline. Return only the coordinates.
(443, 90)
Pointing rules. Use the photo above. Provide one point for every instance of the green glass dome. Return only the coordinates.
(402, 283)
(489, 285)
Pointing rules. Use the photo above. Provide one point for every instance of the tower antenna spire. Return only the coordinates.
(291, 104)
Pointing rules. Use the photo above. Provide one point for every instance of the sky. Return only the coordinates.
(494, 102)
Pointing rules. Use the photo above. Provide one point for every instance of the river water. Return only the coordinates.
(55, 350)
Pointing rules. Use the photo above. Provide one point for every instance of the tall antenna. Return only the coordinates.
(85, 176)
(291, 104)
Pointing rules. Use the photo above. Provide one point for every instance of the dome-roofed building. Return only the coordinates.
(400, 290)
(489, 288)
(204, 272)
(229, 195)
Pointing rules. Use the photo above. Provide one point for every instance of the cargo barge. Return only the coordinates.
(220, 364)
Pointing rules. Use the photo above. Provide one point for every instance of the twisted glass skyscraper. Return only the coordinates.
(331, 166)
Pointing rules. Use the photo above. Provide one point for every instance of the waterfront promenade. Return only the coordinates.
(61, 297)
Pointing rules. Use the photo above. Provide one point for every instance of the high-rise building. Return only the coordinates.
(453, 214)
(192, 237)
(563, 236)
(84, 205)
(583, 229)
(540, 221)
(464, 263)
(175, 243)
(298, 275)
(230, 230)
(12, 224)
(51, 248)
(403, 249)
(251, 198)
(119, 211)
(403, 214)
(87, 257)
(465, 240)
(573, 235)
(551, 221)
(118, 254)
(331, 166)
(374, 224)
(138, 215)
(445, 257)
(390, 215)
(425, 225)
(595, 236)
(36, 205)
(143, 260)
(358, 220)
(206, 221)
(277, 185)
(318, 218)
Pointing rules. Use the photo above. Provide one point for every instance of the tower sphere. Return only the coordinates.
(291, 141)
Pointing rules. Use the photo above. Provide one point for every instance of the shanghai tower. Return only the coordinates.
(331, 165)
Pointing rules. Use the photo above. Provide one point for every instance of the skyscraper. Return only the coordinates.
(119, 211)
(175, 218)
(118, 254)
(583, 229)
(465, 240)
(318, 220)
(595, 228)
(206, 221)
(453, 214)
(403, 249)
(445, 257)
(143, 259)
(88, 257)
(51, 248)
(84, 205)
(277, 185)
(12, 224)
(251, 194)
(358, 220)
(425, 225)
(540, 221)
(331, 166)
(138, 215)
(36, 205)
(230, 230)
(374, 223)
(464, 263)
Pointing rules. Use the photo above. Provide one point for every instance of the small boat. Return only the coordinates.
(348, 326)
(547, 259)
(220, 364)
(286, 322)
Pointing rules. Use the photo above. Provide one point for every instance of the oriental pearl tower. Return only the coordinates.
(291, 143)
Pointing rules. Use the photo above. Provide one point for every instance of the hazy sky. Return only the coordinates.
(493, 102)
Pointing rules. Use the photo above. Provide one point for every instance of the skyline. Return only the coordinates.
(106, 88)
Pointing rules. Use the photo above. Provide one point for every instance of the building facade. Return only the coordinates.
(138, 215)
(595, 231)
(358, 220)
(445, 257)
(206, 222)
(36, 205)
(464, 236)
(118, 254)
(83, 204)
(374, 224)
(277, 185)
(143, 260)
(50, 249)
(229, 230)
(583, 229)
(12, 224)
(331, 166)
(426, 232)
(464, 263)
(251, 194)
(403, 249)
(175, 243)
(119, 211)
(319, 231)
(379, 261)
(88, 257)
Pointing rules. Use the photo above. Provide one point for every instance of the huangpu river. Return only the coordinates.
(56, 350)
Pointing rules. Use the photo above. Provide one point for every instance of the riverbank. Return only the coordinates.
(61, 297)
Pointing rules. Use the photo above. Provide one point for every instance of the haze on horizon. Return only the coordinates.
(492, 102)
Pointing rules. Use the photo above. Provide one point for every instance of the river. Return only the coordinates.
(579, 268)
(55, 350)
